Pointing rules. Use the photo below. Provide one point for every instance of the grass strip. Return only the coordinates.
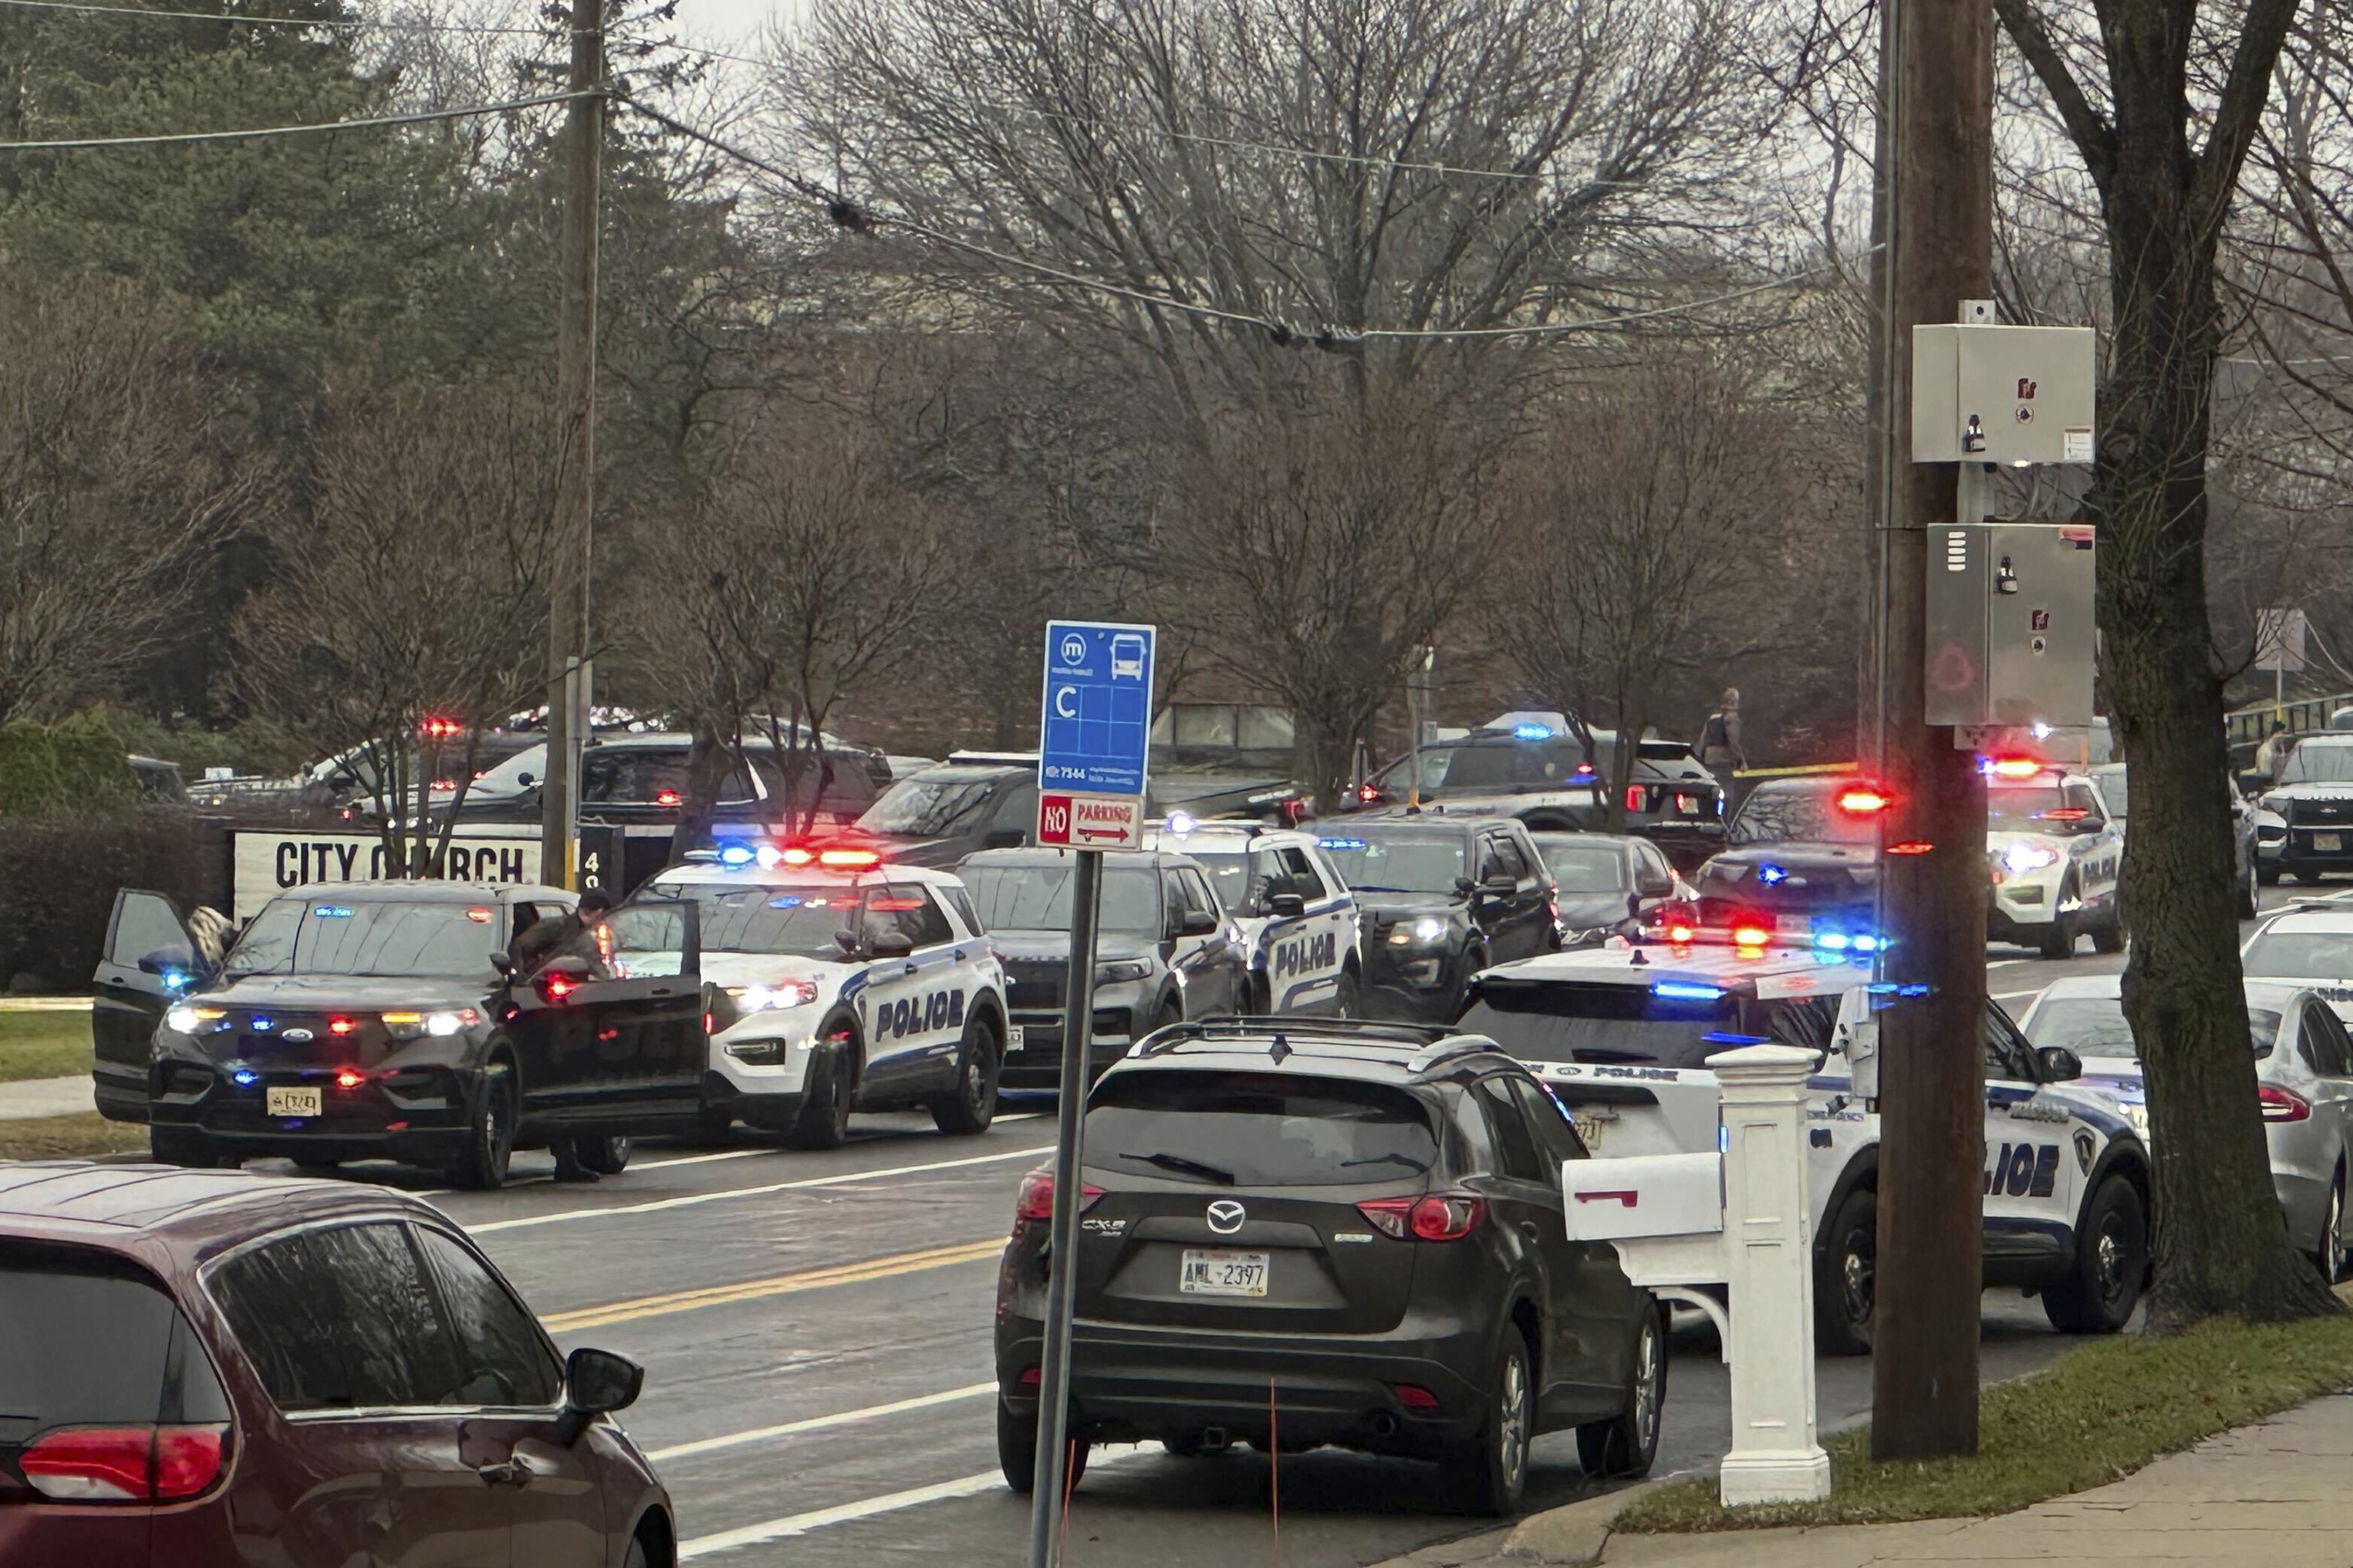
(2094, 1416)
(69, 1137)
(43, 1045)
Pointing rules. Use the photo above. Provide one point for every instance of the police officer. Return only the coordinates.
(1720, 751)
(571, 935)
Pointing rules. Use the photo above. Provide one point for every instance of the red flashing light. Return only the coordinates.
(893, 906)
(1439, 1216)
(1036, 1202)
(797, 856)
(348, 1077)
(2014, 767)
(1637, 798)
(1584, 770)
(558, 986)
(1681, 931)
(341, 1025)
(1368, 794)
(2280, 1105)
(125, 1464)
(666, 797)
(479, 915)
(449, 784)
(1911, 847)
(441, 729)
(1750, 936)
(848, 859)
(2066, 813)
(1864, 801)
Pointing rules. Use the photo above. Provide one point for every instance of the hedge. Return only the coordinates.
(59, 872)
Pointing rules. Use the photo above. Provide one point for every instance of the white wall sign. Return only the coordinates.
(266, 864)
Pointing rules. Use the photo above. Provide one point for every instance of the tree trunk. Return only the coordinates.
(2221, 1245)
(707, 760)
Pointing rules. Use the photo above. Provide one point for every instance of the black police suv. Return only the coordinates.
(2314, 799)
(1302, 1231)
(1165, 950)
(386, 1020)
(1800, 861)
(1441, 897)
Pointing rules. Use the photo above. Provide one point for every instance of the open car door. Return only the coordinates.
(149, 959)
(649, 1018)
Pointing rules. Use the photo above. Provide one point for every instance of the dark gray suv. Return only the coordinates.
(1309, 1231)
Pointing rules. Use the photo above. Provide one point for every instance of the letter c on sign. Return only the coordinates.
(1065, 705)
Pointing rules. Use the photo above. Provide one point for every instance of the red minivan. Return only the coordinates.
(205, 1369)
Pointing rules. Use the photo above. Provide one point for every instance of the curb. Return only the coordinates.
(1573, 1535)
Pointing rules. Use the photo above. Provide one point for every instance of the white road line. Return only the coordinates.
(692, 1199)
(2003, 962)
(2014, 995)
(890, 1502)
(819, 1423)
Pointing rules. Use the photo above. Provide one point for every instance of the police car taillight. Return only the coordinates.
(125, 1464)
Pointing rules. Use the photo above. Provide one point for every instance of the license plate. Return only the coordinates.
(1216, 1272)
(1590, 1129)
(1014, 1040)
(295, 1102)
(2328, 841)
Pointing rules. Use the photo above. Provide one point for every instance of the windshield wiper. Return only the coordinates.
(1189, 1167)
(1407, 1161)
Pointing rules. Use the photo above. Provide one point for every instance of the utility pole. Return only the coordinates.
(572, 549)
(1936, 80)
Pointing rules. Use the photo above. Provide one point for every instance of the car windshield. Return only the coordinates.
(1377, 862)
(1037, 897)
(1257, 1130)
(2096, 1027)
(507, 778)
(1605, 1024)
(2317, 761)
(925, 808)
(1584, 867)
(328, 932)
(2301, 955)
(1800, 811)
(2018, 805)
(2111, 785)
(799, 919)
(1229, 873)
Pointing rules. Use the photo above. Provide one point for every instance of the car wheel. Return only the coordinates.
(491, 1134)
(606, 1154)
(2058, 944)
(174, 1146)
(1846, 1278)
(2099, 1291)
(2111, 937)
(1017, 1451)
(1347, 1002)
(824, 1121)
(2331, 1254)
(1624, 1446)
(2249, 899)
(971, 1106)
(636, 1556)
(2267, 875)
(1491, 1475)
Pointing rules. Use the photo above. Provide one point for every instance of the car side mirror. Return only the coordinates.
(595, 1383)
(524, 781)
(166, 962)
(2060, 1065)
(1502, 885)
(503, 961)
(1286, 906)
(1195, 922)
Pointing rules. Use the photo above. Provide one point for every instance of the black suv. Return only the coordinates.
(1800, 861)
(1440, 898)
(1301, 1232)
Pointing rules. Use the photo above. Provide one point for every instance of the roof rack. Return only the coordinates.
(1235, 1025)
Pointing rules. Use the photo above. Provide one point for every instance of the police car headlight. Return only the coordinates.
(186, 1020)
(1428, 929)
(2022, 858)
(759, 998)
(1122, 970)
(408, 1025)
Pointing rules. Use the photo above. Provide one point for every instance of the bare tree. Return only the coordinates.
(412, 587)
(114, 479)
(1639, 534)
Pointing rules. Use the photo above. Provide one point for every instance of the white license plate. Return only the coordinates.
(295, 1102)
(1014, 1040)
(1589, 1132)
(2328, 841)
(1211, 1271)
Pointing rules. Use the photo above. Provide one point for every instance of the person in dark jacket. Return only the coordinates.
(571, 935)
(1720, 751)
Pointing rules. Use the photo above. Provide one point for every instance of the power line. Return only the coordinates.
(850, 214)
(186, 137)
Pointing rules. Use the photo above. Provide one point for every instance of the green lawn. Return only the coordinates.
(69, 1137)
(2098, 1413)
(43, 1044)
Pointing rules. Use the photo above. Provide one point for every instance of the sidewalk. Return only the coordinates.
(2273, 1494)
(32, 1097)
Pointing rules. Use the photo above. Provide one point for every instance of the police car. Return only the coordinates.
(839, 981)
(2313, 803)
(1297, 917)
(2309, 946)
(1622, 1035)
(2054, 855)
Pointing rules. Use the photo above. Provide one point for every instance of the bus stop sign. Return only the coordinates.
(1094, 731)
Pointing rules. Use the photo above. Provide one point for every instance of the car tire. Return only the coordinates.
(1846, 1278)
(1491, 1472)
(636, 1556)
(2058, 944)
(2331, 1254)
(2102, 1286)
(970, 1107)
(2249, 894)
(481, 1166)
(1016, 1452)
(603, 1153)
(1348, 1001)
(176, 1146)
(824, 1119)
(2111, 938)
(1625, 1447)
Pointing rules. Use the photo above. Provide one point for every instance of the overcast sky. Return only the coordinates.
(724, 24)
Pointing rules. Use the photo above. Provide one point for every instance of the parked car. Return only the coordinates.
(1321, 1231)
(211, 1370)
(1442, 898)
(2247, 824)
(1612, 884)
(2303, 1077)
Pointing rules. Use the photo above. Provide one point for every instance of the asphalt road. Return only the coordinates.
(815, 1329)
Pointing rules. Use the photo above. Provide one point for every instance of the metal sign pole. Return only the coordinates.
(1047, 1498)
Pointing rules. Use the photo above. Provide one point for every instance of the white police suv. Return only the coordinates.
(1621, 1035)
(837, 981)
(2053, 856)
(1297, 917)
(2308, 945)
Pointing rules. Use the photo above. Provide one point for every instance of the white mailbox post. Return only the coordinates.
(1739, 1219)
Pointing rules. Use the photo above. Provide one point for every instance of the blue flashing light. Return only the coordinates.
(786, 901)
(1340, 842)
(333, 912)
(1772, 875)
(1723, 1138)
(262, 1025)
(1686, 991)
(1532, 731)
(1833, 941)
(1866, 942)
(1915, 988)
(246, 1076)
(174, 980)
(1722, 1038)
(737, 855)
(1181, 822)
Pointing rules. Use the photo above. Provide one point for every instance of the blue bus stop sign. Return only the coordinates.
(1094, 731)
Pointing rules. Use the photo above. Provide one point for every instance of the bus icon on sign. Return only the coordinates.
(1127, 657)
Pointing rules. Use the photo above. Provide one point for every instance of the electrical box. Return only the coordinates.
(2002, 394)
(2010, 636)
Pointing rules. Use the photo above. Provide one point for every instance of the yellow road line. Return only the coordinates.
(774, 1284)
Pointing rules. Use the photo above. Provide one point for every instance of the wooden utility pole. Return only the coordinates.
(572, 546)
(1936, 74)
